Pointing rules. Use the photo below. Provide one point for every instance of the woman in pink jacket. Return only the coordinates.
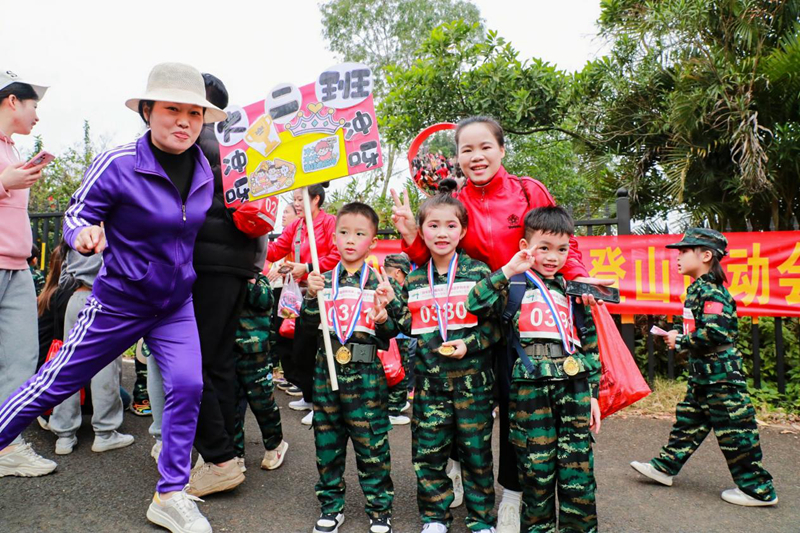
(19, 342)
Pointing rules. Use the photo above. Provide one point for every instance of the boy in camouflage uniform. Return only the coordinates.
(397, 267)
(716, 397)
(356, 297)
(33, 265)
(453, 371)
(555, 379)
(254, 374)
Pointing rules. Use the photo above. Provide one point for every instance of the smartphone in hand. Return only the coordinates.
(42, 157)
(600, 292)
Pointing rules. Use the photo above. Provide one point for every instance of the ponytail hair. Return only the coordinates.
(50, 286)
(716, 267)
(444, 197)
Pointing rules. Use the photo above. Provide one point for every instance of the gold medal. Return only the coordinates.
(447, 351)
(343, 355)
(571, 366)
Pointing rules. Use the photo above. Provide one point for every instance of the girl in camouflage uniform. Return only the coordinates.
(453, 392)
(716, 397)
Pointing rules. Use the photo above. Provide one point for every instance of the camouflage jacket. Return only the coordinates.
(38, 279)
(309, 313)
(255, 320)
(492, 293)
(429, 363)
(715, 325)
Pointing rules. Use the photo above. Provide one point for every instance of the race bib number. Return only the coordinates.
(423, 310)
(345, 307)
(537, 322)
(688, 321)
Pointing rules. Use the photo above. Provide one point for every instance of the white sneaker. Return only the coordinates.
(240, 464)
(458, 488)
(155, 451)
(308, 419)
(737, 497)
(329, 523)
(22, 461)
(301, 405)
(490, 530)
(274, 458)
(406, 407)
(399, 420)
(65, 445)
(43, 423)
(646, 469)
(508, 517)
(111, 441)
(434, 527)
(179, 514)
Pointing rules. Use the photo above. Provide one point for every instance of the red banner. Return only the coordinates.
(763, 271)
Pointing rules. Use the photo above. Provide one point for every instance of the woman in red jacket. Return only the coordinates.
(497, 203)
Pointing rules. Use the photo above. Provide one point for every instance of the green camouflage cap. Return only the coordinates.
(703, 237)
(398, 261)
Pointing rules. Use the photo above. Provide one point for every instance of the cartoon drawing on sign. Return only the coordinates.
(321, 154)
(344, 85)
(262, 135)
(232, 130)
(283, 102)
(271, 176)
(318, 119)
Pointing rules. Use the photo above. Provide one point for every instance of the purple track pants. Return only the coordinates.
(100, 336)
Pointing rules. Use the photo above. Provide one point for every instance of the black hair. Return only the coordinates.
(216, 93)
(492, 124)
(35, 252)
(22, 91)
(359, 208)
(444, 197)
(150, 104)
(716, 268)
(318, 190)
(552, 219)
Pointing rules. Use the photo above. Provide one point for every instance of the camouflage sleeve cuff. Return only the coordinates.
(679, 343)
(498, 280)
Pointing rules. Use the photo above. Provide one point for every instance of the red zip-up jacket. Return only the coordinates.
(496, 216)
(324, 228)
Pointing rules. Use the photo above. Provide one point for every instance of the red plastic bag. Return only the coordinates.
(257, 217)
(55, 346)
(621, 383)
(392, 364)
(287, 328)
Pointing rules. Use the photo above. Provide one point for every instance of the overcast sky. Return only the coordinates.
(94, 54)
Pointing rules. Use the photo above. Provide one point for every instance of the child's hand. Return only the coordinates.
(460, 346)
(590, 300)
(403, 217)
(385, 291)
(594, 424)
(521, 262)
(316, 283)
(671, 339)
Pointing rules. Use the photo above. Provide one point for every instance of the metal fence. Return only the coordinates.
(46, 229)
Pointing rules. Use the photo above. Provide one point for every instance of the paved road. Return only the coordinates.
(110, 492)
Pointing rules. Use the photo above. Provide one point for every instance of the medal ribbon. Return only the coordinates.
(337, 326)
(551, 304)
(441, 317)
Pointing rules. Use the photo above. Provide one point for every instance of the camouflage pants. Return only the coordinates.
(447, 416)
(725, 408)
(358, 411)
(398, 395)
(550, 432)
(254, 380)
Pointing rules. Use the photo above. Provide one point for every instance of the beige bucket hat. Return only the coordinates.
(180, 83)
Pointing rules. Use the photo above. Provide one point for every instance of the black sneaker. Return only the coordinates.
(329, 523)
(382, 524)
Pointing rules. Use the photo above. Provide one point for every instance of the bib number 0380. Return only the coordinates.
(428, 312)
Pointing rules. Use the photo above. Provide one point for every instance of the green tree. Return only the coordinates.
(697, 108)
(379, 33)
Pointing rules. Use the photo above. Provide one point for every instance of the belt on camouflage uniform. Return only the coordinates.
(539, 350)
(699, 367)
(360, 353)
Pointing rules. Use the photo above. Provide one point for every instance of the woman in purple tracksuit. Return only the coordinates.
(152, 197)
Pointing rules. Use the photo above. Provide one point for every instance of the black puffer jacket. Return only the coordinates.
(220, 246)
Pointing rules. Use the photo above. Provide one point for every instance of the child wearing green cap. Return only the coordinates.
(716, 396)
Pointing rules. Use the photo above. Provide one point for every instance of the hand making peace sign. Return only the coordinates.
(402, 216)
(383, 295)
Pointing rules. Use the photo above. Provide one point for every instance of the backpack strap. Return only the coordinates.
(516, 292)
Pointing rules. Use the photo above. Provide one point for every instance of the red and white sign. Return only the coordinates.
(346, 304)
(423, 310)
(536, 321)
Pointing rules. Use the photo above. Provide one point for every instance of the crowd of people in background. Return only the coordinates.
(429, 169)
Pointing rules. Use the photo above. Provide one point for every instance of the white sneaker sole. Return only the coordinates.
(66, 450)
(122, 443)
(159, 518)
(643, 470)
(26, 471)
(303, 408)
(749, 503)
(335, 530)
